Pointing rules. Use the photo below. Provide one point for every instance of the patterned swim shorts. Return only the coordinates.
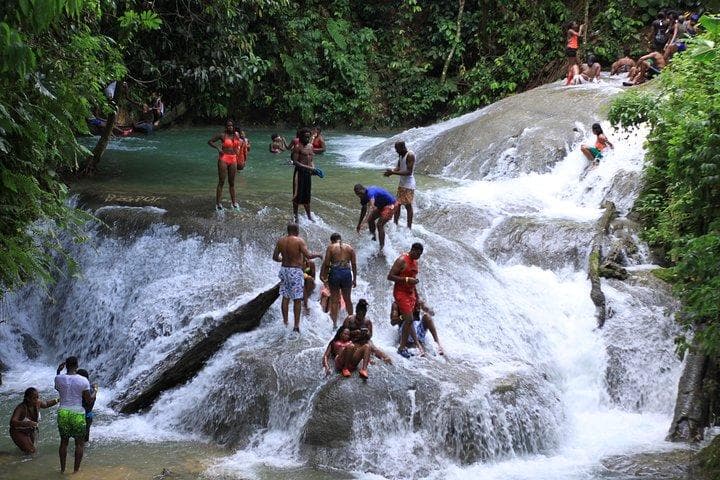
(292, 283)
(71, 424)
(405, 196)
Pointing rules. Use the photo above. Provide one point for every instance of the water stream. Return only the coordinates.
(529, 388)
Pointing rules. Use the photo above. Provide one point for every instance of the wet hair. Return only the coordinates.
(28, 392)
(335, 237)
(293, 228)
(590, 59)
(660, 15)
(304, 131)
(400, 143)
(71, 362)
(338, 334)
(358, 187)
(229, 120)
(83, 373)
(274, 136)
(417, 246)
(597, 129)
(361, 305)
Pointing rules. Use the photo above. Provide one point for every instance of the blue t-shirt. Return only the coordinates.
(382, 197)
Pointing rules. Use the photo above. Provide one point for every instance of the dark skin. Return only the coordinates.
(339, 252)
(302, 157)
(401, 150)
(372, 218)
(291, 251)
(225, 170)
(407, 318)
(24, 421)
(89, 397)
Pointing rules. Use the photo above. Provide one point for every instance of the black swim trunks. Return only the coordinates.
(571, 52)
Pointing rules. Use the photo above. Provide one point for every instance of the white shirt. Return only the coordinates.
(71, 388)
(406, 181)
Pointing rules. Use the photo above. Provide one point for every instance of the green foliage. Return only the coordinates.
(680, 204)
(54, 69)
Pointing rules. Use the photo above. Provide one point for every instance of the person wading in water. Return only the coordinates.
(302, 158)
(227, 162)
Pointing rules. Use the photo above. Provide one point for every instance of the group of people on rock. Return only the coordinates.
(351, 345)
(76, 397)
(669, 33)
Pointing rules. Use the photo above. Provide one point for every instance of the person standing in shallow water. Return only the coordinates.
(382, 208)
(406, 185)
(227, 162)
(302, 157)
(25, 420)
(73, 389)
(291, 252)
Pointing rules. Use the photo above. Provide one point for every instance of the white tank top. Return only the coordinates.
(406, 181)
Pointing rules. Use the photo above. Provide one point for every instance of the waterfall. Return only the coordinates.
(529, 388)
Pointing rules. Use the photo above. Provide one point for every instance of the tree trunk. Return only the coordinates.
(456, 41)
(97, 153)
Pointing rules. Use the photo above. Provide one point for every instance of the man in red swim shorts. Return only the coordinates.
(404, 273)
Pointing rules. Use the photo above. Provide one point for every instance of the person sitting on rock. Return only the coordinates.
(624, 64)
(591, 69)
(422, 323)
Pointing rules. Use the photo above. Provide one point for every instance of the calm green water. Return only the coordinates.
(179, 162)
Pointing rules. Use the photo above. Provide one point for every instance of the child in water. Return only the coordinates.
(594, 154)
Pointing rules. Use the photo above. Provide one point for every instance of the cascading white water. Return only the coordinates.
(529, 387)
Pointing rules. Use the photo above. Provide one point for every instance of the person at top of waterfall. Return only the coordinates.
(227, 148)
(277, 143)
(309, 274)
(647, 67)
(291, 252)
(242, 150)
(594, 154)
(591, 69)
(88, 405)
(403, 274)
(422, 323)
(73, 389)
(318, 142)
(572, 43)
(624, 64)
(339, 272)
(382, 208)
(302, 157)
(26, 418)
(659, 31)
(406, 186)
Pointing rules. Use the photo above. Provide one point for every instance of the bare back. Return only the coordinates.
(292, 250)
(340, 253)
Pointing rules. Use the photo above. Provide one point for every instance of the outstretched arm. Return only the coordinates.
(363, 211)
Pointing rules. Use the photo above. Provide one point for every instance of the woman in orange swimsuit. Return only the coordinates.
(572, 35)
(227, 162)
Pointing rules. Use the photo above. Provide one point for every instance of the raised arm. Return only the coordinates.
(276, 253)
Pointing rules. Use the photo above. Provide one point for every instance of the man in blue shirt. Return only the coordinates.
(383, 206)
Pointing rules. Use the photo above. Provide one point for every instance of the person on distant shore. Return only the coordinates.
(25, 420)
(624, 64)
(227, 162)
(88, 405)
(158, 108)
(591, 69)
(73, 389)
(318, 142)
(594, 154)
(309, 274)
(277, 144)
(572, 43)
(382, 208)
(291, 251)
(339, 272)
(406, 185)
(404, 275)
(302, 158)
(422, 323)
(242, 150)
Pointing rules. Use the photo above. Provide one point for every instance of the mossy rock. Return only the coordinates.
(707, 462)
(664, 274)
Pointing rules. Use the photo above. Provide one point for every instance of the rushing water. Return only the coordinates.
(529, 388)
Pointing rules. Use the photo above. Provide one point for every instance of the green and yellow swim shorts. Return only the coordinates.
(71, 424)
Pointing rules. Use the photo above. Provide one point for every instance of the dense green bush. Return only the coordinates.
(680, 203)
(52, 72)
